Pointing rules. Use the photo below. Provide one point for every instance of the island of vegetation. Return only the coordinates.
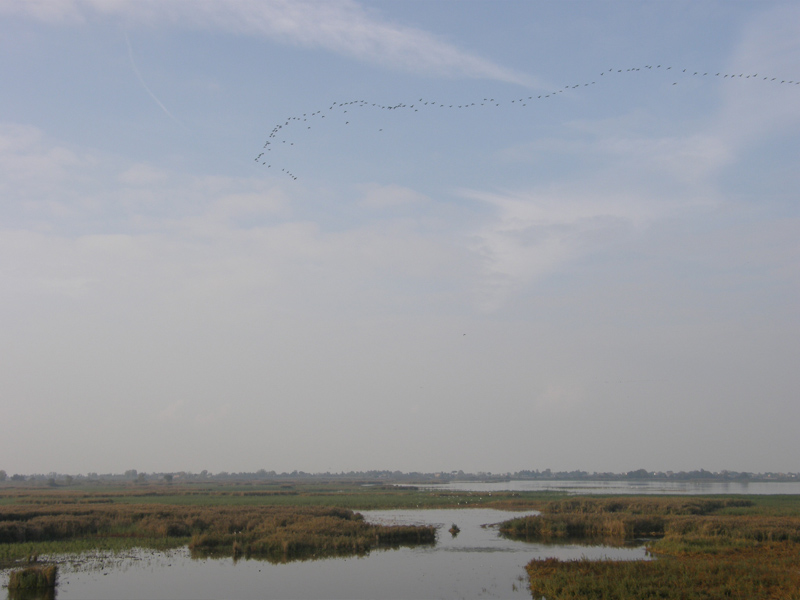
(709, 548)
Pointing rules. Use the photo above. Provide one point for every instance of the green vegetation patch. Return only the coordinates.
(351, 495)
(293, 534)
(11, 554)
(709, 548)
(269, 531)
(627, 518)
(33, 578)
(770, 571)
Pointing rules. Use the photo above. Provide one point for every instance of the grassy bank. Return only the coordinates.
(705, 548)
(352, 495)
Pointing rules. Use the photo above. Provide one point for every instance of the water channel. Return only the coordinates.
(477, 563)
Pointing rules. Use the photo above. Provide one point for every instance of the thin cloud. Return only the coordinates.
(343, 27)
(537, 232)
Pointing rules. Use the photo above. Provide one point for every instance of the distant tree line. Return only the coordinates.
(132, 475)
(644, 474)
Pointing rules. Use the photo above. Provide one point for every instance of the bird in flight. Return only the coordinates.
(281, 131)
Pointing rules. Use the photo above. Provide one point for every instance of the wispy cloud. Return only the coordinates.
(67, 190)
(632, 180)
(340, 26)
(629, 183)
(536, 232)
(83, 226)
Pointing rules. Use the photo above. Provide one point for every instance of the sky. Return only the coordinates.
(418, 236)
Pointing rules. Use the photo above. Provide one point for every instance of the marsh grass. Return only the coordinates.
(668, 518)
(282, 535)
(759, 572)
(51, 521)
(274, 532)
(33, 578)
(710, 548)
(11, 554)
(354, 496)
(706, 547)
(562, 526)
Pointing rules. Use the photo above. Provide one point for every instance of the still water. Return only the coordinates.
(477, 563)
(625, 487)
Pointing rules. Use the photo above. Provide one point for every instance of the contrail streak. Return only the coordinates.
(144, 85)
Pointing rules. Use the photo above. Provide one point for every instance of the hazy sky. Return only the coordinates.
(603, 278)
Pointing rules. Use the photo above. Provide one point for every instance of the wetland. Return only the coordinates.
(344, 540)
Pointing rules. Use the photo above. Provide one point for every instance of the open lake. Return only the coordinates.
(623, 487)
(477, 563)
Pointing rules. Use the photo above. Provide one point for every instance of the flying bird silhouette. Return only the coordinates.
(281, 131)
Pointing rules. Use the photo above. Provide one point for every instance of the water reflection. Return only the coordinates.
(42, 594)
(478, 563)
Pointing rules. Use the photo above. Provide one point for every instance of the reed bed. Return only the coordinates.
(771, 571)
(306, 533)
(52, 521)
(275, 532)
(560, 527)
(645, 505)
(33, 578)
(707, 548)
(668, 518)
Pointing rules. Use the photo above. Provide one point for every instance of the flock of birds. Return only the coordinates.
(278, 137)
